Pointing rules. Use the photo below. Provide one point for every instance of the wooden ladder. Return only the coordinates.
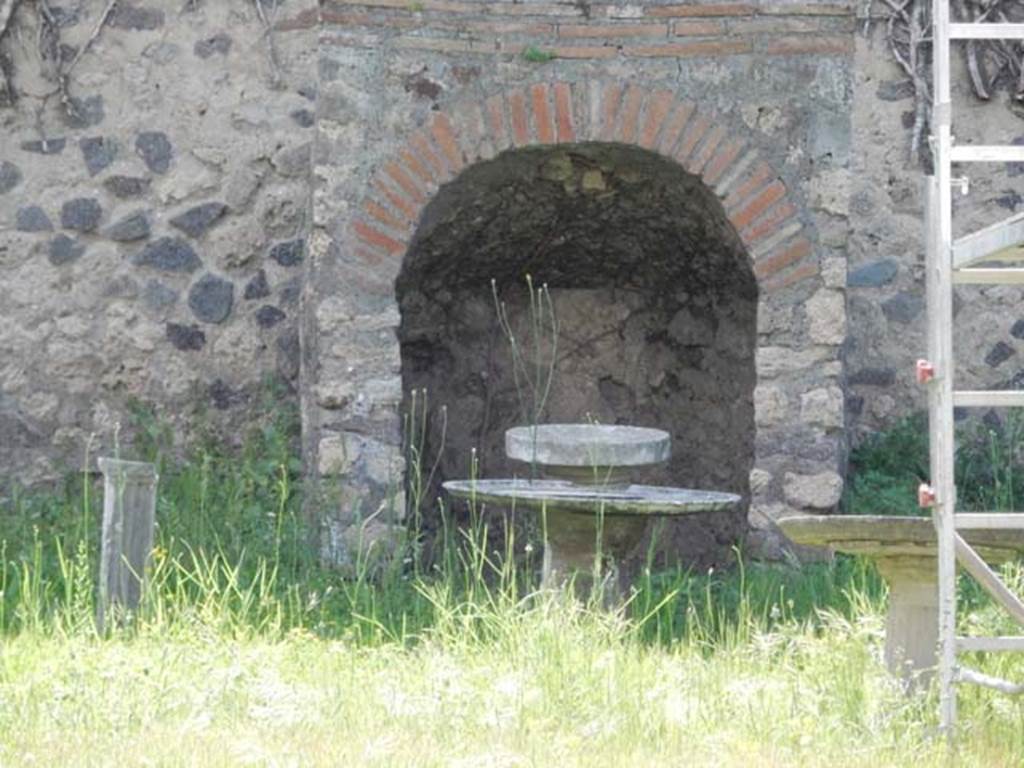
(979, 258)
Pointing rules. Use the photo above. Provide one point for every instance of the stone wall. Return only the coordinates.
(886, 269)
(212, 193)
(152, 236)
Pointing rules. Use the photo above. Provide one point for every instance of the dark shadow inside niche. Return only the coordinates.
(657, 310)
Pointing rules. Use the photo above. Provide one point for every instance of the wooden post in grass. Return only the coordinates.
(129, 517)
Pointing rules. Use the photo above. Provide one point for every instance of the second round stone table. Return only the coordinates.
(591, 515)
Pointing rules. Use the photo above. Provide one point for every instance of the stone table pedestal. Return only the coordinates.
(905, 552)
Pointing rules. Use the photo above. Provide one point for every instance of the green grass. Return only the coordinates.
(247, 651)
(888, 467)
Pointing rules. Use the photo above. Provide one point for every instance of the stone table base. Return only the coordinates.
(905, 552)
(590, 529)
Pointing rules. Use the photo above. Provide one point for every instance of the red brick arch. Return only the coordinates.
(755, 199)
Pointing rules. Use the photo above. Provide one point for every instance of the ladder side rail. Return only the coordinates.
(940, 318)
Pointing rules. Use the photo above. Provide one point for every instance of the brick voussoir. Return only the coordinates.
(541, 109)
(497, 122)
(408, 210)
(445, 138)
(629, 114)
(518, 118)
(792, 277)
(564, 121)
(416, 166)
(769, 222)
(703, 154)
(785, 255)
(405, 182)
(383, 216)
(758, 205)
(694, 132)
(658, 107)
(720, 162)
(611, 95)
(375, 238)
(423, 148)
(760, 175)
(674, 127)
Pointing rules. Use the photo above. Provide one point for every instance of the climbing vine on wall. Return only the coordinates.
(992, 65)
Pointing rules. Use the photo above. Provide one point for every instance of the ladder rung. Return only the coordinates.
(1003, 398)
(988, 520)
(995, 276)
(991, 644)
(999, 241)
(987, 153)
(986, 31)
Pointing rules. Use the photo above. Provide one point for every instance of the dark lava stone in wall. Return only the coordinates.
(126, 187)
(32, 218)
(289, 253)
(187, 338)
(64, 250)
(155, 150)
(211, 299)
(196, 221)
(81, 214)
(170, 254)
(10, 176)
(135, 226)
(98, 153)
(45, 146)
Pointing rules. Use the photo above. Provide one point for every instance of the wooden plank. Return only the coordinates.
(129, 520)
(1002, 240)
(1007, 521)
(1007, 398)
(988, 579)
(996, 276)
(991, 644)
(986, 31)
(987, 153)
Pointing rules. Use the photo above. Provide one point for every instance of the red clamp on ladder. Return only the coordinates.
(925, 371)
(925, 496)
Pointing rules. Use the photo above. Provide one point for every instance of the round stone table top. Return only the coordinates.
(883, 536)
(614, 500)
(587, 445)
